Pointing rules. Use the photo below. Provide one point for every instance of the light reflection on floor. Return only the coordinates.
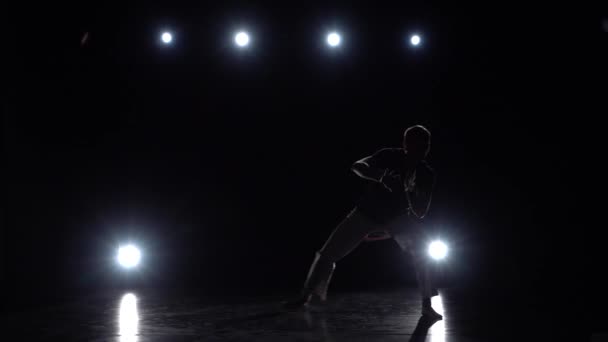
(437, 330)
(352, 317)
(128, 319)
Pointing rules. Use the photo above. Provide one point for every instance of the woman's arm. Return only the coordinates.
(420, 199)
(363, 169)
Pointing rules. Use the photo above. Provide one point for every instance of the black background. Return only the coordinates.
(230, 168)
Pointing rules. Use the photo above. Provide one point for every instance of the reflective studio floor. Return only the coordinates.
(381, 316)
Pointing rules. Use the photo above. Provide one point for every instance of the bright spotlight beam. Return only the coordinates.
(242, 39)
(128, 256)
(438, 250)
(166, 37)
(333, 39)
(415, 40)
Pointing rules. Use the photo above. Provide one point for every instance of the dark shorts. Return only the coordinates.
(381, 215)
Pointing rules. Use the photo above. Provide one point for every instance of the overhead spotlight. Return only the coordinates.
(333, 39)
(166, 37)
(415, 40)
(241, 39)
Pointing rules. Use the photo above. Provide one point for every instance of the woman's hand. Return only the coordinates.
(392, 181)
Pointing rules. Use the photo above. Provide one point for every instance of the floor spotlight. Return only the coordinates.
(128, 256)
(438, 250)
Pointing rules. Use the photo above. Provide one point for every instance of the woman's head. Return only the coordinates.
(417, 142)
